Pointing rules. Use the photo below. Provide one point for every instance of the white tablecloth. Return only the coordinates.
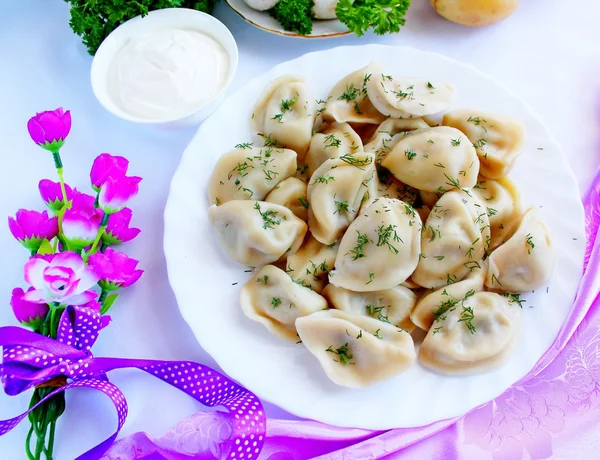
(548, 53)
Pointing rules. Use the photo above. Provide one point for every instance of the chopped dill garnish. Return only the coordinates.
(410, 154)
(332, 141)
(359, 250)
(245, 145)
(455, 142)
(385, 234)
(354, 161)
(270, 218)
(343, 352)
(275, 302)
(467, 316)
(341, 206)
(303, 202)
(529, 241)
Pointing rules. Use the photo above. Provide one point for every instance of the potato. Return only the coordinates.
(475, 13)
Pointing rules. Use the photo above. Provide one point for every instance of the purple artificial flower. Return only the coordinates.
(30, 228)
(81, 221)
(49, 129)
(52, 194)
(62, 278)
(28, 313)
(116, 269)
(116, 192)
(118, 230)
(105, 166)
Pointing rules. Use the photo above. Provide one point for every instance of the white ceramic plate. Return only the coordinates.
(285, 374)
(263, 20)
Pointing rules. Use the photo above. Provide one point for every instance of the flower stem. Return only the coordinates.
(28, 444)
(101, 230)
(103, 295)
(50, 449)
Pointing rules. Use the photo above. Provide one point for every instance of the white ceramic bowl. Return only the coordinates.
(169, 18)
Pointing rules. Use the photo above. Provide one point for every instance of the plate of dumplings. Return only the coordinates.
(374, 237)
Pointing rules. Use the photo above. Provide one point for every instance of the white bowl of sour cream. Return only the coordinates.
(171, 66)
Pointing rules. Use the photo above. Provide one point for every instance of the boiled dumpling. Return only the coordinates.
(434, 159)
(335, 193)
(249, 173)
(434, 304)
(389, 133)
(291, 193)
(336, 140)
(402, 97)
(392, 306)
(498, 139)
(348, 101)
(475, 335)
(256, 232)
(356, 351)
(272, 298)
(310, 265)
(525, 262)
(502, 203)
(380, 249)
(454, 240)
(284, 114)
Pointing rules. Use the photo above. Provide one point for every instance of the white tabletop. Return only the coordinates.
(547, 53)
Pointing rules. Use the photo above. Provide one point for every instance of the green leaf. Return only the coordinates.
(383, 16)
(108, 302)
(45, 248)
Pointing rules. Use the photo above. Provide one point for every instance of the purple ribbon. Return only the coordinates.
(30, 359)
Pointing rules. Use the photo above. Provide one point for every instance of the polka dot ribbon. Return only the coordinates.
(30, 359)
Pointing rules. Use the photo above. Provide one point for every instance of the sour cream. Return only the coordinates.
(167, 74)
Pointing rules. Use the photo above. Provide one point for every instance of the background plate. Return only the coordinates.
(263, 20)
(285, 374)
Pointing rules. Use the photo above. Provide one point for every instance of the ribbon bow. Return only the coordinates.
(30, 359)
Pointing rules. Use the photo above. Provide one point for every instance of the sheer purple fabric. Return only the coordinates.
(545, 414)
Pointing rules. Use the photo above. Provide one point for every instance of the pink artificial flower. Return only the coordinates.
(82, 221)
(116, 269)
(116, 192)
(62, 278)
(118, 230)
(94, 305)
(30, 228)
(105, 166)
(52, 194)
(49, 129)
(28, 313)
(83, 200)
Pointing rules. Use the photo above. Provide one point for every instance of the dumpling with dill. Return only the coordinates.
(403, 97)
(433, 304)
(356, 351)
(380, 249)
(335, 193)
(454, 240)
(392, 306)
(256, 232)
(273, 299)
(336, 140)
(284, 114)
(474, 335)
(348, 101)
(249, 173)
(434, 159)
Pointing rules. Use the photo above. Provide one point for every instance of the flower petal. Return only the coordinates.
(82, 298)
(38, 296)
(36, 131)
(34, 272)
(69, 259)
